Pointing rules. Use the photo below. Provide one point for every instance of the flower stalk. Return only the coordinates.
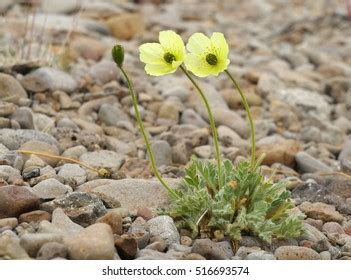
(119, 64)
(249, 116)
(212, 123)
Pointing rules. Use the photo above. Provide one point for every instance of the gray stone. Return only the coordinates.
(244, 251)
(189, 116)
(148, 254)
(260, 255)
(9, 222)
(32, 242)
(212, 250)
(73, 174)
(10, 89)
(112, 114)
(305, 101)
(346, 151)
(52, 250)
(24, 116)
(162, 152)
(64, 6)
(13, 139)
(103, 72)
(103, 159)
(132, 193)
(296, 253)
(93, 243)
(46, 78)
(82, 208)
(230, 138)
(50, 189)
(325, 255)
(9, 174)
(309, 164)
(64, 223)
(163, 227)
(10, 248)
(312, 234)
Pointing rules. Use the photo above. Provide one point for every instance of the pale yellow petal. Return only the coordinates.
(220, 67)
(197, 65)
(159, 69)
(151, 53)
(173, 43)
(220, 44)
(198, 43)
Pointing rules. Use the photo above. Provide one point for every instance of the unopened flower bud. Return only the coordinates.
(118, 55)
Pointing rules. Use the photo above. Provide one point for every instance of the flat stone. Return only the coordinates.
(111, 114)
(305, 101)
(13, 139)
(103, 159)
(163, 227)
(9, 222)
(52, 250)
(82, 208)
(32, 242)
(93, 243)
(73, 174)
(64, 223)
(50, 189)
(296, 253)
(43, 147)
(309, 164)
(133, 193)
(212, 250)
(15, 200)
(278, 149)
(322, 211)
(46, 78)
(34, 216)
(10, 89)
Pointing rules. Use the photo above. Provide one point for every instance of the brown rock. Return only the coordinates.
(296, 253)
(15, 200)
(86, 47)
(127, 247)
(125, 26)
(233, 99)
(278, 149)
(39, 146)
(145, 213)
(114, 219)
(34, 216)
(93, 243)
(322, 211)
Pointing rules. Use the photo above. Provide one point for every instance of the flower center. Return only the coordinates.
(169, 58)
(211, 59)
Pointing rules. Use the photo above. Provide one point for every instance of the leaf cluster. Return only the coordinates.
(245, 202)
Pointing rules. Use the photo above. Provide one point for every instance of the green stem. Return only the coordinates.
(142, 129)
(212, 123)
(249, 116)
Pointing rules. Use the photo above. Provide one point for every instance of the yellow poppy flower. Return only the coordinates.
(164, 57)
(208, 56)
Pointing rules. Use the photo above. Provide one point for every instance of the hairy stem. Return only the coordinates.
(212, 123)
(249, 116)
(142, 129)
